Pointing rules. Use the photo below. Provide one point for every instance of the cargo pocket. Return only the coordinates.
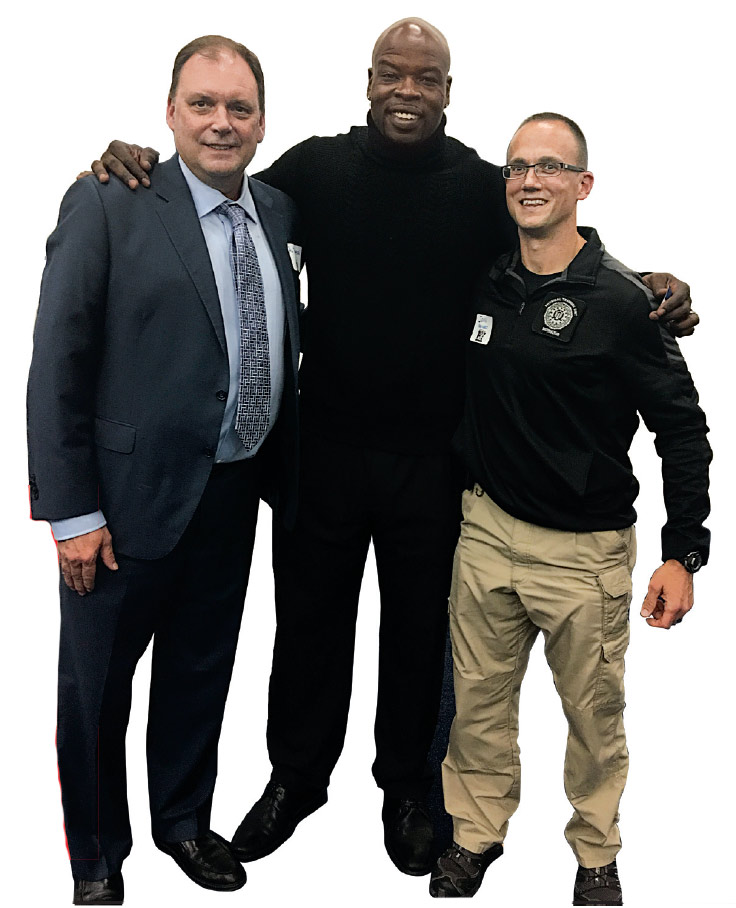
(615, 586)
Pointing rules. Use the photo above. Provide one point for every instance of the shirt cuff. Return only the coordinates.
(77, 526)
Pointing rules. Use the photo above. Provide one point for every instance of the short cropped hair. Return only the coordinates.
(211, 46)
(571, 125)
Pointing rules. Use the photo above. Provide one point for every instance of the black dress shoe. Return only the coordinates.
(459, 872)
(408, 835)
(597, 886)
(273, 819)
(99, 892)
(208, 861)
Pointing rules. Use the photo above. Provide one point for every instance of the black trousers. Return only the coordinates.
(409, 506)
(191, 604)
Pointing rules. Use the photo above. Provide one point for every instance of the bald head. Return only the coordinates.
(413, 30)
(409, 81)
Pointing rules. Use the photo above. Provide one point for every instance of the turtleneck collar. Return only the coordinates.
(424, 155)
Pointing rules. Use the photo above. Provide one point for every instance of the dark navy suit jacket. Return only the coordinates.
(125, 398)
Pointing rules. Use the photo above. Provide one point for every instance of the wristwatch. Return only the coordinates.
(692, 562)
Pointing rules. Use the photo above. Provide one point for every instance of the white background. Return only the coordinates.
(647, 81)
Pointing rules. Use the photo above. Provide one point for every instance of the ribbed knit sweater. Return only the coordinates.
(394, 239)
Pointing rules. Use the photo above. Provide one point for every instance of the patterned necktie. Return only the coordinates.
(254, 393)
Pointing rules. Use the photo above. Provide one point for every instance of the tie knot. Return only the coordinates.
(233, 212)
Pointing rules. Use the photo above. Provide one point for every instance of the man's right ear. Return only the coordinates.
(170, 113)
(370, 81)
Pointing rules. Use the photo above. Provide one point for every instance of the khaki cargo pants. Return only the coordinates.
(512, 579)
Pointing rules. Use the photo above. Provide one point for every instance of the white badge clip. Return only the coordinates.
(295, 254)
(482, 329)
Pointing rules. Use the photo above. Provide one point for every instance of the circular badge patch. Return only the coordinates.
(558, 314)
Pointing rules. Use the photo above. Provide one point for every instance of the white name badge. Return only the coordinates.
(482, 329)
(295, 254)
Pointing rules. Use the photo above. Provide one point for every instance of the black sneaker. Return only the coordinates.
(459, 872)
(597, 886)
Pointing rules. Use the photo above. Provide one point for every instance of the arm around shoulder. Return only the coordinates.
(289, 172)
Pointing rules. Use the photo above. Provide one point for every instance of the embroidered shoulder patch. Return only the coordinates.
(558, 317)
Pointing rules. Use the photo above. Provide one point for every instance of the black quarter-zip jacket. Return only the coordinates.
(553, 396)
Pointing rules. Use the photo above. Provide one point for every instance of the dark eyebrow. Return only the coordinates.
(545, 159)
(197, 96)
(434, 70)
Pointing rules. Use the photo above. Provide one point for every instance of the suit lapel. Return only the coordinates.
(179, 217)
(277, 238)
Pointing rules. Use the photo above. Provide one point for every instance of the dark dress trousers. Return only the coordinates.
(394, 238)
(126, 396)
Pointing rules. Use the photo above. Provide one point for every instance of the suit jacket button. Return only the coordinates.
(209, 452)
(221, 395)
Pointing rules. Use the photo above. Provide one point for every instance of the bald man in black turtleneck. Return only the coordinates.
(399, 218)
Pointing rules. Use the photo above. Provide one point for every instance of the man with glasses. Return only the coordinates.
(561, 354)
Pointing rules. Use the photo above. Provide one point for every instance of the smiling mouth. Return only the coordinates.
(220, 147)
(533, 203)
(405, 116)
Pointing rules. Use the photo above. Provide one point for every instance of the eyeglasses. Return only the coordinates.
(542, 169)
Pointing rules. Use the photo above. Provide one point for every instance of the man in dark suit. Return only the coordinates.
(161, 405)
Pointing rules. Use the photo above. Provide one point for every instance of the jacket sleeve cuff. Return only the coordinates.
(77, 526)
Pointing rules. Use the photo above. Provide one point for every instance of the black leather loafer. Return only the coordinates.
(208, 861)
(408, 835)
(273, 819)
(459, 872)
(109, 891)
(597, 886)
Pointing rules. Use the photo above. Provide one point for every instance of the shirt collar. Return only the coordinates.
(206, 199)
(583, 269)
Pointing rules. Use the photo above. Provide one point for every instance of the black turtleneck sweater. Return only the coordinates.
(394, 238)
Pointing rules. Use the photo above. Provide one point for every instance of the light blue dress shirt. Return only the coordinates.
(218, 232)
